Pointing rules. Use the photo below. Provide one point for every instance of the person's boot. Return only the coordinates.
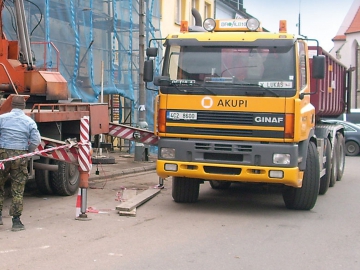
(17, 225)
(1, 222)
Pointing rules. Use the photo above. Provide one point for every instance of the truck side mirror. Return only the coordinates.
(151, 52)
(148, 71)
(318, 67)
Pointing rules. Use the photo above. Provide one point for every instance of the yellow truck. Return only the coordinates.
(238, 104)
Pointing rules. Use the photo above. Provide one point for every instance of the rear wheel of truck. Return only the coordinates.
(42, 179)
(304, 198)
(334, 164)
(340, 155)
(325, 179)
(220, 184)
(185, 190)
(65, 181)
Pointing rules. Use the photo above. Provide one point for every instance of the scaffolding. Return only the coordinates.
(98, 41)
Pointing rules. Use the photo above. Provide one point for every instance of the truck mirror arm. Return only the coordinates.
(302, 95)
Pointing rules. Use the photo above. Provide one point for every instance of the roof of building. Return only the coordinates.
(351, 23)
(355, 24)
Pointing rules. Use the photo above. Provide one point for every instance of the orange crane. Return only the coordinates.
(58, 172)
(18, 74)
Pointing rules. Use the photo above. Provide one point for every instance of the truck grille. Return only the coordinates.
(223, 147)
(220, 119)
(225, 118)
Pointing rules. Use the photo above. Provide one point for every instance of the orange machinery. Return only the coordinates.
(17, 71)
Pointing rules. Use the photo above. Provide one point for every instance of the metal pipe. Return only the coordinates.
(83, 202)
(139, 147)
(23, 31)
(46, 167)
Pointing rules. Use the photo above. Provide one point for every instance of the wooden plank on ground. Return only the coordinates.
(138, 200)
(128, 194)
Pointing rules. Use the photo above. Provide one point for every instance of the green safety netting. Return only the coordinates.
(98, 44)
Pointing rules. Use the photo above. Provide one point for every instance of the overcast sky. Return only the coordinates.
(320, 19)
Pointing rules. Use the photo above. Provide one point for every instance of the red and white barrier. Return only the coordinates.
(33, 154)
(126, 132)
(67, 154)
(84, 157)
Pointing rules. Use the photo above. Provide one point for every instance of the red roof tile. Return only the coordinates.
(339, 37)
(355, 24)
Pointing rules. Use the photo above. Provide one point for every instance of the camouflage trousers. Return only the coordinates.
(17, 169)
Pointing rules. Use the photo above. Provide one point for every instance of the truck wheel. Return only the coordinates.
(42, 178)
(352, 148)
(325, 179)
(185, 190)
(65, 181)
(334, 164)
(341, 156)
(220, 184)
(304, 198)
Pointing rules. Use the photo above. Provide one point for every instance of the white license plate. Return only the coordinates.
(182, 115)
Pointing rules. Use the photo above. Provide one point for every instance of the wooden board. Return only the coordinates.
(138, 200)
(128, 194)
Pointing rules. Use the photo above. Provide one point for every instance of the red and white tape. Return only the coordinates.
(82, 155)
(33, 154)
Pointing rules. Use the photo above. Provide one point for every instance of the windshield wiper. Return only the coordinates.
(198, 90)
(166, 81)
(257, 93)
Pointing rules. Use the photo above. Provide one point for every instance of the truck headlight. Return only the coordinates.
(167, 153)
(209, 24)
(253, 24)
(283, 159)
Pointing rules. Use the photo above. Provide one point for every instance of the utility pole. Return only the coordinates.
(140, 154)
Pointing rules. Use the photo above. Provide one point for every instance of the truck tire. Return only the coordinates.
(220, 184)
(304, 198)
(340, 155)
(42, 178)
(325, 179)
(185, 190)
(65, 181)
(352, 148)
(334, 164)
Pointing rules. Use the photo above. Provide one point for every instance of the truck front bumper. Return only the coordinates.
(227, 172)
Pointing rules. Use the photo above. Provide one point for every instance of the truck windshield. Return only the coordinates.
(268, 67)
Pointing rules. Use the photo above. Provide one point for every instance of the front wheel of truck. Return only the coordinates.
(65, 181)
(185, 190)
(304, 198)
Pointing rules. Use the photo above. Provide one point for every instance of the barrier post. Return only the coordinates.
(84, 159)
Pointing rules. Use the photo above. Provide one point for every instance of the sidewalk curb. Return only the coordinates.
(123, 172)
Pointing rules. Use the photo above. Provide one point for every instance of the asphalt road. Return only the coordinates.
(240, 228)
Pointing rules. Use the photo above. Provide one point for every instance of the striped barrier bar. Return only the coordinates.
(132, 133)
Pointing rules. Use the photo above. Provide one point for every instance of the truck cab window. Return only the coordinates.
(269, 67)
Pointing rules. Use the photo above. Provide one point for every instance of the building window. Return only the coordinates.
(207, 11)
(161, 8)
(178, 12)
(194, 4)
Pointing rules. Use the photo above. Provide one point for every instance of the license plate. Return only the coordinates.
(182, 115)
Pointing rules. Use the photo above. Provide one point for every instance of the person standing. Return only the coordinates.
(18, 135)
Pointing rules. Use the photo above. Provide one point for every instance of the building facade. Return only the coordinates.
(347, 50)
(175, 11)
